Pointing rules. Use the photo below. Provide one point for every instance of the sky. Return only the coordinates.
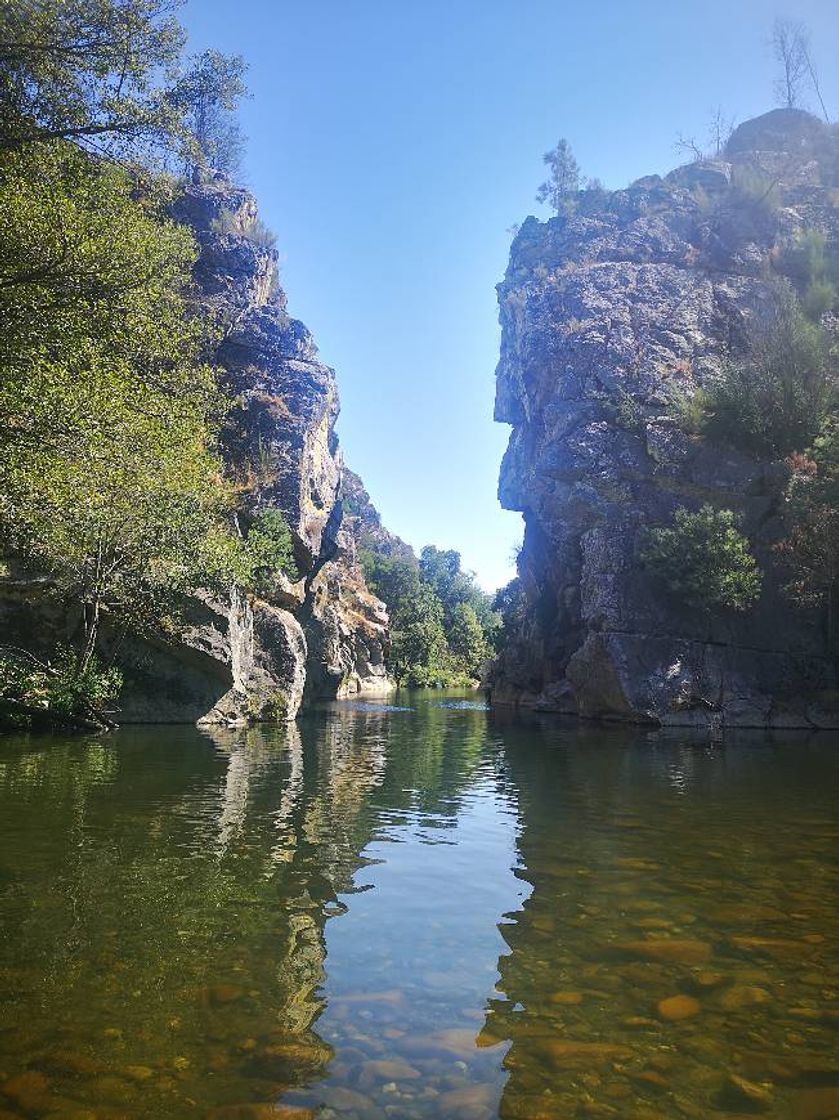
(392, 145)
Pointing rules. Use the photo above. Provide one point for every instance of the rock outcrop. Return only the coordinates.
(610, 315)
(244, 658)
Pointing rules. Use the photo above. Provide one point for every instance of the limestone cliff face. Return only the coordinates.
(609, 315)
(236, 658)
(326, 635)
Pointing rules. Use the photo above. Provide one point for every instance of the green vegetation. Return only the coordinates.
(563, 180)
(112, 490)
(208, 94)
(110, 75)
(811, 550)
(64, 692)
(256, 231)
(704, 559)
(443, 627)
(773, 400)
(267, 551)
(820, 293)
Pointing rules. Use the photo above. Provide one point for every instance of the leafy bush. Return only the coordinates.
(811, 548)
(773, 400)
(69, 691)
(704, 559)
(258, 233)
(691, 410)
(820, 294)
(268, 550)
(755, 190)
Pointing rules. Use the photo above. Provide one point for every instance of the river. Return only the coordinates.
(418, 908)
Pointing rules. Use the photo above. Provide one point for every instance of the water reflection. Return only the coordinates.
(531, 920)
(677, 955)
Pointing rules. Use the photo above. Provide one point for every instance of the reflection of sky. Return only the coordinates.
(420, 939)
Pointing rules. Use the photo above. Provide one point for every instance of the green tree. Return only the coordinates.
(704, 559)
(418, 641)
(563, 180)
(267, 551)
(209, 95)
(106, 74)
(109, 481)
(467, 640)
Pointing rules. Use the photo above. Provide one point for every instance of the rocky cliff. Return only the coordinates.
(238, 658)
(610, 314)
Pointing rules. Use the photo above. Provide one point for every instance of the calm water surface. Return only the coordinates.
(418, 910)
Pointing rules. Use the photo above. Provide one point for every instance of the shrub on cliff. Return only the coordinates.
(811, 548)
(704, 559)
(773, 400)
(268, 550)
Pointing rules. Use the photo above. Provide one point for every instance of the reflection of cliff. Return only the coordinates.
(185, 901)
(643, 967)
(167, 895)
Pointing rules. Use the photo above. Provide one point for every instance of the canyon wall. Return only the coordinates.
(611, 314)
(241, 657)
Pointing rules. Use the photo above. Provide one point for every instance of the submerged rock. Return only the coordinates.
(676, 1008)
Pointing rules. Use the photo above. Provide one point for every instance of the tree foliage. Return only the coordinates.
(208, 96)
(811, 549)
(111, 485)
(108, 476)
(443, 626)
(109, 74)
(704, 559)
(563, 179)
(773, 400)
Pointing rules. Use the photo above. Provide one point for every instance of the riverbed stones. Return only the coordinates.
(567, 999)
(676, 1008)
(740, 1095)
(664, 950)
(260, 1112)
(816, 1104)
(741, 996)
(568, 1053)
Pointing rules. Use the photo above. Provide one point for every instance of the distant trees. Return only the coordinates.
(443, 626)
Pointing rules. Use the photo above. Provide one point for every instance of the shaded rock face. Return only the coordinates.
(326, 635)
(240, 658)
(608, 316)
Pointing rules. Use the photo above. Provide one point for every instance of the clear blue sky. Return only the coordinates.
(392, 143)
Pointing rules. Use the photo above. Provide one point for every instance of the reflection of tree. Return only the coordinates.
(168, 891)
